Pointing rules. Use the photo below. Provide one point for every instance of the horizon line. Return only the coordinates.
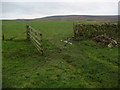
(52, 16)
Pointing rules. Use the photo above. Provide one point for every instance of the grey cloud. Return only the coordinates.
(41, 9)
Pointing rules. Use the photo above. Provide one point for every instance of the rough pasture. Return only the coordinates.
(83, 64)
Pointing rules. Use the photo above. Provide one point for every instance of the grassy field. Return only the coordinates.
(83, 64)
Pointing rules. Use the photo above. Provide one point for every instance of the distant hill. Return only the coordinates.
(74, 18)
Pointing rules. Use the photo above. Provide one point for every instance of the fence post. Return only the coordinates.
(27, 32)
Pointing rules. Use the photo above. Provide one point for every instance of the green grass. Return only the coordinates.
(83, 64)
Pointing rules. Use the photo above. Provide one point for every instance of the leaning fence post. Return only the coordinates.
(27, 32)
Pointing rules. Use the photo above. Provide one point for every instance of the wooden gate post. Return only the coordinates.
(27, 32)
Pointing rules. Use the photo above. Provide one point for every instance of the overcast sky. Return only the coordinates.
(14, 9)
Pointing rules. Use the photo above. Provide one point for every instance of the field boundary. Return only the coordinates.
(104, 34)
(35, 37)
(93, 30)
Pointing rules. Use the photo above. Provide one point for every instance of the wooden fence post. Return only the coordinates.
(27, 32)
